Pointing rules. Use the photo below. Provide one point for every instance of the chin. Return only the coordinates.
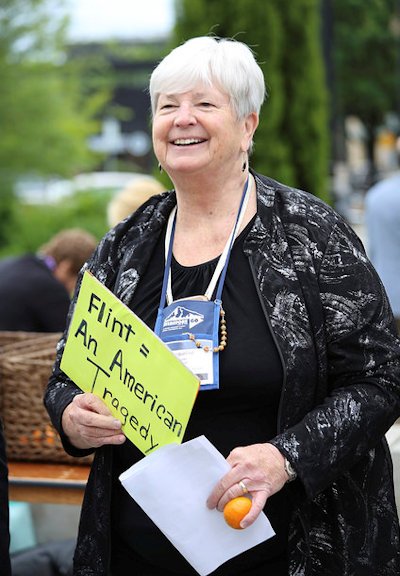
(185, 168)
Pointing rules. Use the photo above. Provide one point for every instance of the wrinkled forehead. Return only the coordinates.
(197, 87)
(197, 91)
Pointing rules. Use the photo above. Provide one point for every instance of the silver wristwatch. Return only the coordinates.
(290, 471)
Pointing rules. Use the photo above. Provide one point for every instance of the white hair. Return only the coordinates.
(207, 60)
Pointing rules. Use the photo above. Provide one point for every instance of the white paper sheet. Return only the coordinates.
(172, 485)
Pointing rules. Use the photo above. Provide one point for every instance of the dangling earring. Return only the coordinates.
(160, 167)
(244, 166)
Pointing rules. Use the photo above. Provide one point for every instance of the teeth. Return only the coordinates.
(186, 141)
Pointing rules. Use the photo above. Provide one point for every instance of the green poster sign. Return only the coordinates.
(113, 354)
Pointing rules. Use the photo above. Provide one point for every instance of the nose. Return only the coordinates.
(184, 115)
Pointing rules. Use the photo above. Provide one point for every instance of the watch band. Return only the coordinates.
(290, 471)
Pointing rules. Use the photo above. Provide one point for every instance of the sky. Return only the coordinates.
(93, 20)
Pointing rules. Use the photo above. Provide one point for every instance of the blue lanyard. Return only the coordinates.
(167, 269)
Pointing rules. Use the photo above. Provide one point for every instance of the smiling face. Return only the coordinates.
(198, 131)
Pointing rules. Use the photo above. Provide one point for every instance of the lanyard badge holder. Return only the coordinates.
(194, 328)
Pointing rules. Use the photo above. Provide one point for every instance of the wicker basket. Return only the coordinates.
(19, 342)
(25, 370)
(8, 337)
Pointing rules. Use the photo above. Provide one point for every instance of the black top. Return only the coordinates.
(242, 411)
(31, 298)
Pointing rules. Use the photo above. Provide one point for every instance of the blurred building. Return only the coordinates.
(125, 136)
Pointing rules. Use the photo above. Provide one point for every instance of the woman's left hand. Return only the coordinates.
(259, 469)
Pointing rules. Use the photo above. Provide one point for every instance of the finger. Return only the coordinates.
(96, 435)
(96, 421)
(219, 489)
(115, 439)
(227, 488)
(92, 403)
(94, 432)
(257, 506)
(234, 491)
(88, 410)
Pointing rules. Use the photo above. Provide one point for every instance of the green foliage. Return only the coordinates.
(44, 116)
(41, 129)
(91, 66)
(306, 112)
(140, 52)
(48, 107)
(366, 56)
(291, 142)
(7, 202)
(34, 224)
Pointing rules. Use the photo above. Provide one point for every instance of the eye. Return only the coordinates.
(206, 104)
(166, 108)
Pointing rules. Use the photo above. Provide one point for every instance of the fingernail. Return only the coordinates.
(117, 424)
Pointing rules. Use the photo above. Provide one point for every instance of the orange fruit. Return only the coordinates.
(37, 434)
(235, 510)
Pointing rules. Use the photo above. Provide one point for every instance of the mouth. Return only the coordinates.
(188, 141)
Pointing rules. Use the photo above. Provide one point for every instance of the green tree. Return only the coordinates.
(36, 223)
(291, 142)
(366, 58)
(306, 115)
(45, 117)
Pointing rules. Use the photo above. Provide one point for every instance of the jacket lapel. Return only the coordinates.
(142, 238)
(269, 247)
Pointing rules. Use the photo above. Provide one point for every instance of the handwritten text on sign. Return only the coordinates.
(113, 354)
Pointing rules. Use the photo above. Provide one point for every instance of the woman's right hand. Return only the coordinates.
(88, 423)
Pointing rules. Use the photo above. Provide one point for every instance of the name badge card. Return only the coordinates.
(189, 327)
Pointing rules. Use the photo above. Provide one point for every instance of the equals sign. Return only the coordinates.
(144, 350)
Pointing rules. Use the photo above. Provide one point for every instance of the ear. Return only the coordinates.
(250, 126)
(64, 274)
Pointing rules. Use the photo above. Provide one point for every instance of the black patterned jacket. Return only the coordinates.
(341, 392)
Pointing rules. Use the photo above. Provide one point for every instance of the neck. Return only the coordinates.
(209, 200)
(205, 219)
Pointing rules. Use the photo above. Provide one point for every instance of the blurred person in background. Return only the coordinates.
(5, 568)
(35, 289)
(136, 193)
(382, 220)
(35, 295)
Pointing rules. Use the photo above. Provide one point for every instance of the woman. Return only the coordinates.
(308, 373)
